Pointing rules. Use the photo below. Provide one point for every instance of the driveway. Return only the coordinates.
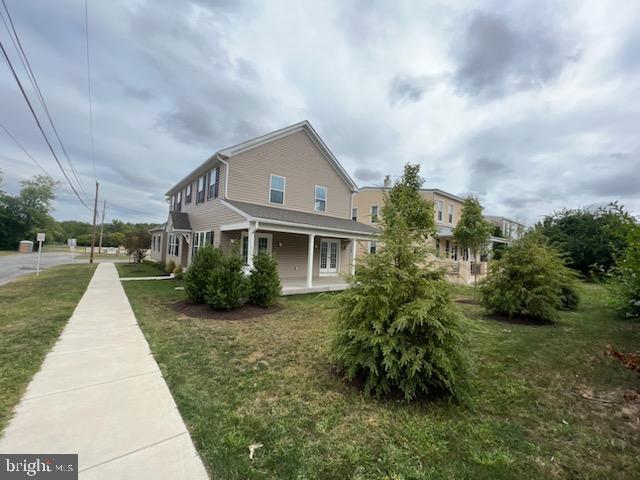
(13, 266)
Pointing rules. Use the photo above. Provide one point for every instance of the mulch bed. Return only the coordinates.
(246, 312)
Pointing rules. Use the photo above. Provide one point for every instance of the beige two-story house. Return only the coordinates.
(284, 193)
(367, 207)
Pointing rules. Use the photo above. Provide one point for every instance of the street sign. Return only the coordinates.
(40, 239)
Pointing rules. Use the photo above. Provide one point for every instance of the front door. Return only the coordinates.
(329, 251)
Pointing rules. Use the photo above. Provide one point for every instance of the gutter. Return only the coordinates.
(226, 173)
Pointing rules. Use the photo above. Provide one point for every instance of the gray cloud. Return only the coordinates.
(486, 172)
(498, 56)
(365, 174)
(406, 89)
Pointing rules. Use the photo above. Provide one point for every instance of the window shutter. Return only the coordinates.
(217, 187)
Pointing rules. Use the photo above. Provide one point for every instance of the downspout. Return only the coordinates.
(226, 174)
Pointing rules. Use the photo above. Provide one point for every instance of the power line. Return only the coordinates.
(35, 117)
(24, 150)
(86, 31)
(34, 83)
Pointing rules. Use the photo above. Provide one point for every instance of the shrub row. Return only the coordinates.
(218, 279)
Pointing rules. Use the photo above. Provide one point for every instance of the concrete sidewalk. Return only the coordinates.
(100, 394)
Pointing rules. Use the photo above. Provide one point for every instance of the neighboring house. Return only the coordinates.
(283, 193)
(367, 207)
(509, 229)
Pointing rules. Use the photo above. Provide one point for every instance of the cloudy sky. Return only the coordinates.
(531, 106)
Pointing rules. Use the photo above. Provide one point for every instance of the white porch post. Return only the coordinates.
(310, 260)
(353, 256)
(251, 235)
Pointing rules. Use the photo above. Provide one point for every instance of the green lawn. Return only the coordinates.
(145, 269)
(33, 312)
(7, 252)
(270, 381)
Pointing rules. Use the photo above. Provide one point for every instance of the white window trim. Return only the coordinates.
(451, 214)
(284, 189)
(315, 198)
(354, 209)
(440, 210)
(369, 246)
(377, 214)
(337, 272)
(268, 236)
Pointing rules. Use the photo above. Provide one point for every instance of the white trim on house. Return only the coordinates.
(284, 189)
(316, 198)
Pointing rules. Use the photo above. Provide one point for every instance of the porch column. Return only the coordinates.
(353, 256)
(251, 235)
(310, 260)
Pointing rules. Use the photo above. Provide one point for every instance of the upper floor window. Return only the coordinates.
(179, 201)
(373, 246)
(439, 209)
(374, 213)
(450, 213)
(276, 189)
(200, 193)
(187, 197)
(321, 199)
(214, 177)
(354, 214)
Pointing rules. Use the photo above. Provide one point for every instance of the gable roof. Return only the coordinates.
(229, 152)
(423, 190)
(264, 212)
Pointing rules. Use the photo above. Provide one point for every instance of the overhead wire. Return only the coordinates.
(15, 140)
(34, 83)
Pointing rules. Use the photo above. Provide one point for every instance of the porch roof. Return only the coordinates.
(444, 231)
(180, 221)
(263, 212)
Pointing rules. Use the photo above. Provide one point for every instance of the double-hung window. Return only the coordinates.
(354, 214)
(373, 246)
(187, 198)
(262, 244)
(174, 245)
(374, 213)
(214, 177)
(179, 201)
(276, 189)
(440, 209)
(450, 213)
(200, 193)
(201, 239)
(320, 204)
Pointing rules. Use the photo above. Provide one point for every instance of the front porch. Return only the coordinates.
(298, 286)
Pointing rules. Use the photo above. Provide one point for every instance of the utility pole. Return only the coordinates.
(93, 229)
(104, 207)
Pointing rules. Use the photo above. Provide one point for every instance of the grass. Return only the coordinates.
(144, 269)
(7, 252)
(33, 312)
(271, 381)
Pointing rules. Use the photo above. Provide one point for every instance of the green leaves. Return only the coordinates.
(264, 282)
(395, 328)
(530, 280)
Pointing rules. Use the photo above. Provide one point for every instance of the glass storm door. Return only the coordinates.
(329, 256)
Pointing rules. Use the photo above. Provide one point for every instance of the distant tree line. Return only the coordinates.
(25, 214)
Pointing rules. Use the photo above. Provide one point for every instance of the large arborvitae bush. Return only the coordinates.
(395, 329)
(530, 280)
(264, 282)
(227, 285)
(197, 276)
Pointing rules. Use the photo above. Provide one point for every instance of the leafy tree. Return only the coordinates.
(590, 238)
(627, 276)
(227, 284)
(264, 282)
(396, 328)
(137, 244)
(530, 280)
(473, 231)
(25, 214)
(197, 276)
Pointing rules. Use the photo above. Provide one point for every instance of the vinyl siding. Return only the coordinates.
(296, 158)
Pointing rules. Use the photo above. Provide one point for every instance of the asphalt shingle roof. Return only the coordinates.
(180, 221)
(311, 219)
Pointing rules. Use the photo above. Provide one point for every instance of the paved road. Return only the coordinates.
(100, 394)
(12, 266)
